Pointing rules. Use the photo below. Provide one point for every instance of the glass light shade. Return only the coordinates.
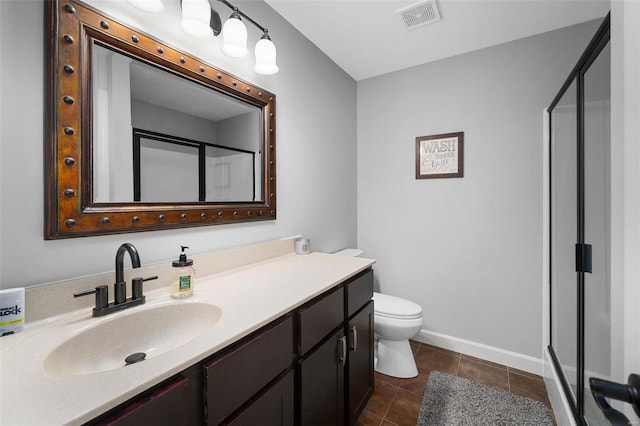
(196, 15)
(265, 57)
(234, 36)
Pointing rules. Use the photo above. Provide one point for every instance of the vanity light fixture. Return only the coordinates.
(234, 36)
(196, 16)
(200, 19)
(265, 56)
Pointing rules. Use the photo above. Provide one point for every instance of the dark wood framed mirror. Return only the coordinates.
(105, 81)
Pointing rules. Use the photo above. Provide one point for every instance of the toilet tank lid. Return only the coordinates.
(395, 307)
(349, 252)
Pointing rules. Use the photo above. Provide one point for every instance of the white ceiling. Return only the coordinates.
(158, 87)
(367, 38)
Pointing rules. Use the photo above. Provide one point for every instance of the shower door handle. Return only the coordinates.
(583, 258)
(630, 393)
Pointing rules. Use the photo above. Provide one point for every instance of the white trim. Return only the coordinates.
(490, 353)
(559, 404)
(625, 193)
(546, 224)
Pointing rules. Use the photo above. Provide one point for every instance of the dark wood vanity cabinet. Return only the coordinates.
(360, 338)
(249, 383)
(322, 383)
(322, 348)
(336, 354)
(175, 402)
(249, 372)
(360, 380)
(313, 366)
(274, 407)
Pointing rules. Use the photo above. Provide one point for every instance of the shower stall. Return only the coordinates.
(580, 291)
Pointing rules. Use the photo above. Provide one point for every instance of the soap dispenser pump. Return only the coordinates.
(183, 277)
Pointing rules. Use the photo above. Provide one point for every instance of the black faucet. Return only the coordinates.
(120, 286)
(120, 302)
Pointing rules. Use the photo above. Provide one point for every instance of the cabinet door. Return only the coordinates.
(273, 408)
(360, 362)
(176, 404)
(236, 377)
(322, 383)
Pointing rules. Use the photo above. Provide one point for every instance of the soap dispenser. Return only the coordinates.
(183, 277)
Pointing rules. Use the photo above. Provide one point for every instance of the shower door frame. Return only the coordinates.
(595, 47)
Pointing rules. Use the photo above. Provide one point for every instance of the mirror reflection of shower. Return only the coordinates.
(197, 145)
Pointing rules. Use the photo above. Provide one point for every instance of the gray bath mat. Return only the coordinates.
(451, 400)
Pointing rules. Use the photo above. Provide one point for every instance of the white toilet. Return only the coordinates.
(395, 321)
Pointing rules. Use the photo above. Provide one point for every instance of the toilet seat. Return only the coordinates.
(395, 307)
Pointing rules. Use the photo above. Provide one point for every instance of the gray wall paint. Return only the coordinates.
(467, 250)
(242, 132)
(316, 151)
(170, 122)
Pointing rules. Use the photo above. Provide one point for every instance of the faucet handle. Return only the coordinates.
(102, 295)
(136, 286)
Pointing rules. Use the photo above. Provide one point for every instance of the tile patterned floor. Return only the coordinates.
(396, 402)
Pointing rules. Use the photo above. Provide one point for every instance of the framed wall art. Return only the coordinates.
(440, 156)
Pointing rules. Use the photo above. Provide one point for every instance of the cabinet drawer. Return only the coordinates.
(237, 376)
(359, 292)
(171, 405)
(274, 408)
(319, 319)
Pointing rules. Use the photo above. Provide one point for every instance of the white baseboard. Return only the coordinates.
(479, 350)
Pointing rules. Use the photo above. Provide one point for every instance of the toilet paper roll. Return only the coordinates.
(302, 246)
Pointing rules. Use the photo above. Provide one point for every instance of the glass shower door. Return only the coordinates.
(580, 247)
(564, 234)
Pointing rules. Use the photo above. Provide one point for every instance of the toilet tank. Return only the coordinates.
(349, 252)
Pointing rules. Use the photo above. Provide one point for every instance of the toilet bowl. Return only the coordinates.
(395, 321)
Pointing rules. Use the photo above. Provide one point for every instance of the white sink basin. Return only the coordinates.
(152, 331)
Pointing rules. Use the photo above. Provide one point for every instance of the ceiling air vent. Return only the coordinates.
(418, 15)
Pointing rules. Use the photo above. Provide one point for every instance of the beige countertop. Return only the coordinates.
(250, 297)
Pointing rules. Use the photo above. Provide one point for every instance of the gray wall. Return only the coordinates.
(241, 131)
(316, 133)
(155, 118)
(468, 250)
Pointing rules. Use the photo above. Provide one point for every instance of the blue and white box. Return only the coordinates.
(11, 311)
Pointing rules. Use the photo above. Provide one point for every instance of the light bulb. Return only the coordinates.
(195, 17)
(265, 56)
(234, 35)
